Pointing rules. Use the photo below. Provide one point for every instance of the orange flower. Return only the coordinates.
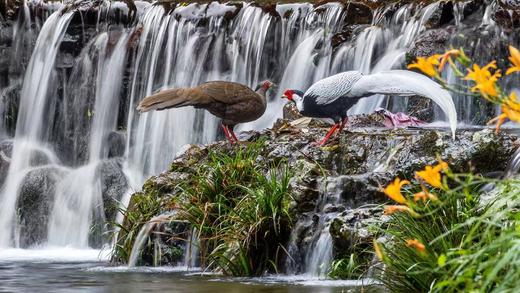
(399, 208)
(488, 87)
(432, 175)
(426, 65)
(443, 166)
(478, 74)
(485, 82)
(446, 56)
(424, 195)
(416, 244)
(515, 60)
(393, 190)
(510, 110)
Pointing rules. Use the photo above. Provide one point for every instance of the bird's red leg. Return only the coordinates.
(329, 134)
(226, 132)
(233, 134)
(343, 123)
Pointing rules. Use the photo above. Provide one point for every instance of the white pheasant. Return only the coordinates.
(333, 96)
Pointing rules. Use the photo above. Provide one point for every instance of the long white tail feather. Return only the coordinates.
(407, 83)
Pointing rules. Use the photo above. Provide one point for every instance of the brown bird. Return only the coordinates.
(232, 102)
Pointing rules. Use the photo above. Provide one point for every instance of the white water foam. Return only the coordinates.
(54, 255)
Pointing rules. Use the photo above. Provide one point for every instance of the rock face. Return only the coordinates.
(35, 203)
(337, 187)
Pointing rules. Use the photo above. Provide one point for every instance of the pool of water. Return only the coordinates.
(64, 270)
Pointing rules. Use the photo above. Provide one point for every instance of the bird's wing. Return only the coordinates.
(333, 87)
(226, 92)
(171, 98)
(200, 96)
(407, 83)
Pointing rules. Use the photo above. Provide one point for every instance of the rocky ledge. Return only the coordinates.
(338, 185)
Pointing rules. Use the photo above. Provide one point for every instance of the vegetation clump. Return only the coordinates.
(450, 236)
(236, 204)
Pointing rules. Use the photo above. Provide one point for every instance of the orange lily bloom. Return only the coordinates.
(488, 87)
(426, 65)
(432, 175)
(416, 244)
(485, 81)
(424, 195)
(510, 110)
(515, 60)
(478, 74)
(393, 190)
(445, 56)
(399, 208)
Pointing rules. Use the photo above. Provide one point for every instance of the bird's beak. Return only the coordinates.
(284, 97)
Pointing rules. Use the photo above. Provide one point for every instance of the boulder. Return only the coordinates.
(116, 144)
(113, 186)
(352, 230)
(35, 204)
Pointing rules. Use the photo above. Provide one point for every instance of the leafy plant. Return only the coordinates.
(143, 207)
(241, 213)
(448, 238)
(347, 268)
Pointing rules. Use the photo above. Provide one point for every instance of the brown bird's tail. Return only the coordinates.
(170, 98)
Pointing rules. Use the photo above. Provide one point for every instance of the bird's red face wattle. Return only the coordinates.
(267, 85)
(288, 94)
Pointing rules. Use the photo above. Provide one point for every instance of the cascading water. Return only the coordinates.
(77, 130)
(31, 119)
(80, 191)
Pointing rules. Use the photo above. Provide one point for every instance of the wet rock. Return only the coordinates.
(113, 185)
(10, 9)
(6, 148)
(358, 13)
(35, 203)
(116, 144)
(509, 4)
(353, 231)
(290, 112)
(430, 42)
(507, 18)
(442, 15)
(421, 108)
(357, 190)
(346, 34)
(305, 186)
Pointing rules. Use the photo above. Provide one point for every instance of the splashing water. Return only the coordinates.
(143, 235)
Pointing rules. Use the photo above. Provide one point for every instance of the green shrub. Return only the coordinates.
(241, 214)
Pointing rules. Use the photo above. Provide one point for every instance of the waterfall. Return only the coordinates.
(31, 119)
(78, 144)
(80, 191)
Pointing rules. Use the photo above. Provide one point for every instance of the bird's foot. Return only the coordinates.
(331, 132)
